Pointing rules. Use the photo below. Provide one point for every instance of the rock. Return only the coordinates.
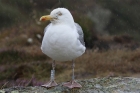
(95, 85)
(101, 17)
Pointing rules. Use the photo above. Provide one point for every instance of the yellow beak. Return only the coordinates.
(46, 17)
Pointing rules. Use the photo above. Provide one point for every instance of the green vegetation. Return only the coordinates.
(7, 15)
(24, 5)
(114, 54)
(14, 11)
(12, 55)
(87, 26)
(125, 15)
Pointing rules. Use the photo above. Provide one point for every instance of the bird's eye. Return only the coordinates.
(59, 13)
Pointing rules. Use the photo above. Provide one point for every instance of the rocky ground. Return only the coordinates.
(111, 31)
(95, 85)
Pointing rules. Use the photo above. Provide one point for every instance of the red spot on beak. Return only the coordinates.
(43, 19)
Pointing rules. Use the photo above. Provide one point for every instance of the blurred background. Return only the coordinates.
(112, 36)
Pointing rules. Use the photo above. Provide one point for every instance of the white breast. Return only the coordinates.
(61, 43)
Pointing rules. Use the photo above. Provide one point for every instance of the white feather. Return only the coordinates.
(60, 40)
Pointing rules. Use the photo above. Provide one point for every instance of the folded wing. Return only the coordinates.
(80, 32)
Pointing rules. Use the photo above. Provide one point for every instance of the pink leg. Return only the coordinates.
(52, 82)
(72, 83)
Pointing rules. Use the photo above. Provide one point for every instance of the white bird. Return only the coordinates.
(63, 41)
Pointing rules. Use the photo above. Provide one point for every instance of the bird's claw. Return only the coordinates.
(50, 84)
(72, 84)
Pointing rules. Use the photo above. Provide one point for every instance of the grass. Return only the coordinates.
(117, 62)
(92, 64)
(23, 60)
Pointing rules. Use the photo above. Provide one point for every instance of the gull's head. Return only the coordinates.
(59, 15)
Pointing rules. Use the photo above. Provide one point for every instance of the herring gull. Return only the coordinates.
(63, 41)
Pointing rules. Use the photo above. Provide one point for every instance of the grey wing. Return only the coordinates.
(81, 34)
(46, 28)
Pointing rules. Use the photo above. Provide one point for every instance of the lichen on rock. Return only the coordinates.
(95, 85)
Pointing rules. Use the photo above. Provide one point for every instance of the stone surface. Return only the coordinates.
(95, 85)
